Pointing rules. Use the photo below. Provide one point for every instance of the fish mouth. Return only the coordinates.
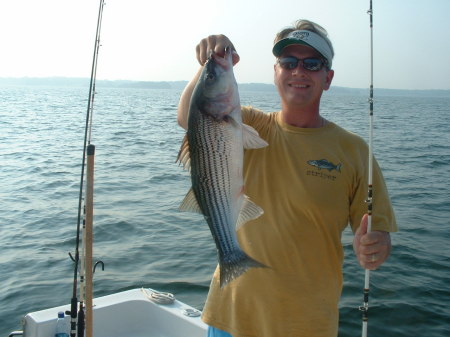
(224, 61)
(217, 64)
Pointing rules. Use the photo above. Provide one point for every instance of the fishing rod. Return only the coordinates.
(365, 307)
(88, 291)
(86, 268)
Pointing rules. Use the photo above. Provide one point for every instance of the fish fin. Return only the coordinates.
(184, 157)
(338, 167)
(249, 211)
(189, 203)
(236, 264)
(251, 138)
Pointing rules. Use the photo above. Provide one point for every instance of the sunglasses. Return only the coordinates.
(310, 63)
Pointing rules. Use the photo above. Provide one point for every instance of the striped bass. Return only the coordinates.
(213, 150)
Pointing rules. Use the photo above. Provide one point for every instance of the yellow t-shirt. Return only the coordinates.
(311, 183)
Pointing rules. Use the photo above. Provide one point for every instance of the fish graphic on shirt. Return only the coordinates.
(325, 164)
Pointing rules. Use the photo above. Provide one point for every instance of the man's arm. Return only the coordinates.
(185, 101)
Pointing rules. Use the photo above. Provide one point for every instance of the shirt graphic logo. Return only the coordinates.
(325, 164)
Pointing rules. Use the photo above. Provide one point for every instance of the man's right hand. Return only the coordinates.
(216, 44)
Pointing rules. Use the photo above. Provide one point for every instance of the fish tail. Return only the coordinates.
(239, 263)
(338, 167)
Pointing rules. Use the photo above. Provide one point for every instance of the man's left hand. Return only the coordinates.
(373, 248)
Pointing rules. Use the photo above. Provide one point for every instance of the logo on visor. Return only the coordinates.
(300, 35)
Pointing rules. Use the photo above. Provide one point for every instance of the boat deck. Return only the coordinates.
(126, 314)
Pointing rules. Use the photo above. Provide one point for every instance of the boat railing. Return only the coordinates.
(16, 333)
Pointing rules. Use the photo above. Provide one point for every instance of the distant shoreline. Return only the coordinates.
(179, 85)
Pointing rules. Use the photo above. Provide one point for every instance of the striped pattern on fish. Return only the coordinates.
(213, 149)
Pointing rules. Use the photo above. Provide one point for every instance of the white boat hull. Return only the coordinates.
(126, 314)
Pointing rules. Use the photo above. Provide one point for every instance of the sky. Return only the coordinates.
(148, 40)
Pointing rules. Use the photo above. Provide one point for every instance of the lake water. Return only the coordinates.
(145, 241)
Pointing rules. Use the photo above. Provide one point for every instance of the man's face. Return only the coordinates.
(299, 87)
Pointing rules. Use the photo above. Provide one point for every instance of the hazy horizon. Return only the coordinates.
(144, 41)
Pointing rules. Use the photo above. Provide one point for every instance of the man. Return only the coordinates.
(311, 182)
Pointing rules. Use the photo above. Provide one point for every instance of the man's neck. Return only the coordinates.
(303, 118)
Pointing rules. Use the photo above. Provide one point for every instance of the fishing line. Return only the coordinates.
(365, 307)
(87, 141)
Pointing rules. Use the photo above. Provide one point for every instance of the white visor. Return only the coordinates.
(307, 38)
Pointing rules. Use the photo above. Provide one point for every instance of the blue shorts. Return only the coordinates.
(213, 332)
